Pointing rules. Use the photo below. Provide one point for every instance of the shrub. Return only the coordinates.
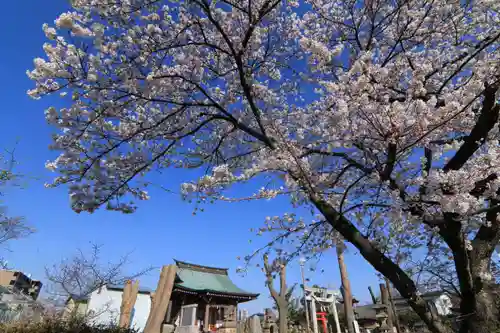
(55, 325)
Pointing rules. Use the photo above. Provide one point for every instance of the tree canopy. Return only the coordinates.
(380, 115)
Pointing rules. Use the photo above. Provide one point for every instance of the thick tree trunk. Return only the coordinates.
(486, 291)
(381, 263)
(283, 318)
(479, 307)
(485, 318)
(479, 294)
(480, 301)
(279, 297)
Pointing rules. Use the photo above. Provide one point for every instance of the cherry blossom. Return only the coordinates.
(379, 116)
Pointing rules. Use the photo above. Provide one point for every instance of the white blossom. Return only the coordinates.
(386, 115)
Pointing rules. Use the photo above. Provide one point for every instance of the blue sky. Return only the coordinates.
(163, 228)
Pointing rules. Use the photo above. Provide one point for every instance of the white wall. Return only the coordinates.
(105, 306)
(142, 307)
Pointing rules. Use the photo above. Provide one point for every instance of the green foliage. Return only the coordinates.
(55, 325)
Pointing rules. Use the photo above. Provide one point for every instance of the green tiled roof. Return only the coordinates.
(209, 280)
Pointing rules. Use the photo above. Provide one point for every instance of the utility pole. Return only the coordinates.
(302, 262)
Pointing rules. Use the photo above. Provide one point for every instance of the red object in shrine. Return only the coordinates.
(321, 316)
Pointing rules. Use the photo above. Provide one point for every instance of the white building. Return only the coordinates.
(103, 306)
(202, 297)
(242, 315)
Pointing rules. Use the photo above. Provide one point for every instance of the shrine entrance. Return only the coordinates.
(325, 300)
(204, 299)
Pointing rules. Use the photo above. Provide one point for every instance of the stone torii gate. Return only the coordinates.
(327, 299)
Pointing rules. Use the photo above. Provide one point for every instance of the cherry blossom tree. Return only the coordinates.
(281, 298)
(381, 116)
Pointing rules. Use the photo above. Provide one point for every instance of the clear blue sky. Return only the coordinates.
(162, 229)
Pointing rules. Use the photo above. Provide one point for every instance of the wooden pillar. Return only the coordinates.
(346, 290)
(154, 299)
(392, 306)
(129, 297)
(161, 299)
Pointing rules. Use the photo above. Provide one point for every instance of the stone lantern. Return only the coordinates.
(381, 313)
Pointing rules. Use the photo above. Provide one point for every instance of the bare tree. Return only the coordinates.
(280, 298)
(11, 227)
(85, 272)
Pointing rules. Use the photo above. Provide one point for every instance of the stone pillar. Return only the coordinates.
(313, 315)
(193, 316)
(206, 319)
(255, 326)
(335, 315)
(229, 325)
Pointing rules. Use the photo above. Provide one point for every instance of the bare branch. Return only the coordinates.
(85, 272)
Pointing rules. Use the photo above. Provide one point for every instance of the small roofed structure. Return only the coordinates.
(204, 299)
(121, 287)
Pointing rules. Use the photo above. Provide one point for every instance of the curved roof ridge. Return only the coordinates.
(208, 280)
(209, 269)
